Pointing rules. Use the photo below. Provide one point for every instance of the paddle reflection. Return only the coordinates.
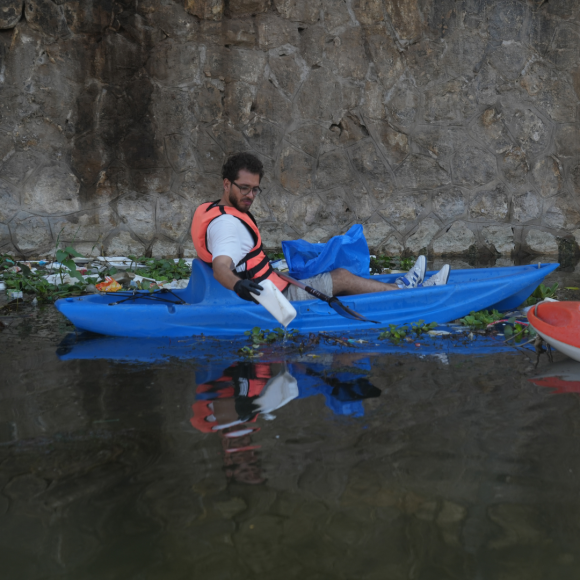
(229, 401)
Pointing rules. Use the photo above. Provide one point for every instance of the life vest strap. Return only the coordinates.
(266, 274)
(249, 256)
(258, 267)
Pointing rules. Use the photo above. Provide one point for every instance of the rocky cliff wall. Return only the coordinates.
(446, 125)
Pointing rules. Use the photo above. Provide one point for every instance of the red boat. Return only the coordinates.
(558, 323)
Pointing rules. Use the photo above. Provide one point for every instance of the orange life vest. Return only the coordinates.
(257, 264)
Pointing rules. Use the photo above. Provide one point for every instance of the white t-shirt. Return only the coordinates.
(228, 236)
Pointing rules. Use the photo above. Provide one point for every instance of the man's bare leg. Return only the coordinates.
(344, 284)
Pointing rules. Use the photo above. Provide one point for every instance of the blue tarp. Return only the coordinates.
(349, 251)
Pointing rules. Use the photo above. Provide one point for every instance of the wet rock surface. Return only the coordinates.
(458, 461)
(442, 100)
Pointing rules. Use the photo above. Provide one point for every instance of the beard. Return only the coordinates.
(239, 206)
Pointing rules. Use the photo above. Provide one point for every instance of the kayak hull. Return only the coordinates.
(212, 310)
(558, 323)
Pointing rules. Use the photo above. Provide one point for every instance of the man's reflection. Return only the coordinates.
(229, 401)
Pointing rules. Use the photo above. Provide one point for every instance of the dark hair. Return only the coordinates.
(238, 161)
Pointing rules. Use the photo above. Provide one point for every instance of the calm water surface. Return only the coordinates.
(132, 460)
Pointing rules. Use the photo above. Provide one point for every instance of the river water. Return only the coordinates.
(432, 459)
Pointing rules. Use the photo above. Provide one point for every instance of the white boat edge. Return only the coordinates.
(572, 351)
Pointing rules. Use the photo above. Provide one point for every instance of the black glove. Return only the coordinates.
(245, 288)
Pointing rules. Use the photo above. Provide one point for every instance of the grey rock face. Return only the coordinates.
(514, 166)
(123, 244)
(540, 242)
(180, 152)
(53, 189)
(491, 205)
(9, 202)
(490, 127)
(321, 96)
(547, 175)
(402, 102)
(84, 226)
(372, 169)
(46, 16)
(421, 238)
(5, 239)
(243, 7)
(473, 165)
(499, 238)
(455, 241)
(404, 210)
(295, 170)
(31, 233)
(526, 207)
(10, 13)
(427, 122)
(299, 10)
(174, 215)
(395, 145)
(333, 169)
(164, 248)
(138, 213)
(449, 204)
(273, 32)
(376, 232)
(347, 54)
(205, 9)
(530, 130)
(420, 172)
(563, 214)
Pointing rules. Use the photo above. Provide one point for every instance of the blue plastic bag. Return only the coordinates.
(349, 251)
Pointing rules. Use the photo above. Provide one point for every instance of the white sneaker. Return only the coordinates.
(415, 275)
(439, 279)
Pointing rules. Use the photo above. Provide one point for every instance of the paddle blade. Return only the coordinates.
(347, 312)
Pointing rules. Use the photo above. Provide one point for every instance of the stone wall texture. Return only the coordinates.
(442, 125)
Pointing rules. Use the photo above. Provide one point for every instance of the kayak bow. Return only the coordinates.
(558, 323)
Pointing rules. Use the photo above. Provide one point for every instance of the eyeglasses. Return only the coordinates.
(245, 189)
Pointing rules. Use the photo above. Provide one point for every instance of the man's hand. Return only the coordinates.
(245, 288)
(222, 271)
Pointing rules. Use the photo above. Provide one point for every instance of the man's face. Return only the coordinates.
(234, 195)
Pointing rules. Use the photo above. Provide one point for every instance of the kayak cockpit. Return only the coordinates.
(203, 287)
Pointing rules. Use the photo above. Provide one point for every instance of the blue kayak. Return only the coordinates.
(205, 307)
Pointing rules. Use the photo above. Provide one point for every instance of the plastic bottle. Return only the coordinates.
(276, 303)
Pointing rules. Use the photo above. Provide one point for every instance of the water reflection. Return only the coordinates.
(229, 404)
(228, 401)
(561, 377)
(461, 468)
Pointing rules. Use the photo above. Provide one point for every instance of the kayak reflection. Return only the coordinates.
(563, 377)
(229, 401)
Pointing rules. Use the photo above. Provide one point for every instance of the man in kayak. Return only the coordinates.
(226, 237)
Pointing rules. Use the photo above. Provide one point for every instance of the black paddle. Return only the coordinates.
(333, 302)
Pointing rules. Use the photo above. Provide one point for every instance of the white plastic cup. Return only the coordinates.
(276, 303)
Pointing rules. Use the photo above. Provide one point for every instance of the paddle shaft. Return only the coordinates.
(308, 289)
(332, 301)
